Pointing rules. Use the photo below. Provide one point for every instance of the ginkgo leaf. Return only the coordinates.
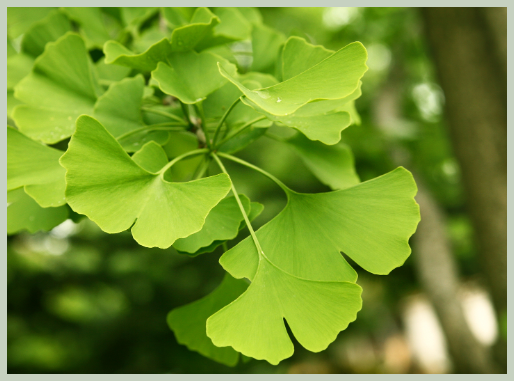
(107, 186)
(23, 213)
(49, 29)
(151, 157)
(177, 16)
(18, 66)
(133, 17)
(300, 274)
(333, 78)
(298, 56)
(320, 120)
(21, 19)
(188, 322)
(370, 222)
(110, 73)
(61, 87)
(36, 167)
(252, 14)
(332, 165)
(119, 110)
(316, 312)
(221, 224)
(182, 39)
(233, 26)
(91, 24)
(266, 44)
(190, 76)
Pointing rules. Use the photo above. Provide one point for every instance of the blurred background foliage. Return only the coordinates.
(83, 301)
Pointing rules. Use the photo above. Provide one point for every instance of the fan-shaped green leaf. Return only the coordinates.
(36, 167)
(332, 165)
(333, 78)
(182, 39)
(221, 224)
(49, 29)
(315, 311)
(190, 76)
(23, 213)
(106, 185)
(119, 110)
(61, 87)
(298, 56)
(370, 222)
(110, 73)
(188, 322)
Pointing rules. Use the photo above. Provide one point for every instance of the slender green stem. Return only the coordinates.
(202, 168)
(203, 126)
(152, 127)
(225, 246)
(164, 113)
(255, 168)
(186, 113)
(241, 207)
(218, 128)
(241, 129)
(183, 156)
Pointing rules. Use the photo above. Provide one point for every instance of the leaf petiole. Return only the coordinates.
(241, 207)
(218, 128)
(255, 168)
(164, 113)
(199, 109)
(183, 156)
(241, 129)
(153, 127)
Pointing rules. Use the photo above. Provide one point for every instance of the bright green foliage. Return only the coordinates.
(190, 76)
(61, 87)
(322, 81)
(300, 265)
(188, 322)
(49, 29)
(316, 311)
(119, 110)
(180, 89)
(222, 224)
(106, 185)
(23, 213)
(36, 167)
(332, 165)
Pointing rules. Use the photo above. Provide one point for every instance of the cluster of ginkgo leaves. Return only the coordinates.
(118, 113)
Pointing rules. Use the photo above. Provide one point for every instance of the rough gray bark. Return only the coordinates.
(469, 50)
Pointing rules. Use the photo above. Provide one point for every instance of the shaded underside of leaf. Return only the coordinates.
(189, 322)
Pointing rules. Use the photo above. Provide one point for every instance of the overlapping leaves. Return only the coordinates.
(106, 185)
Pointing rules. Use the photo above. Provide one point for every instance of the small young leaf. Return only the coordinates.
(221, 224)
(333, 78)
(190, 76)
(188, 322)
(23, 213)
(61, 87)
(36, 167)
(106, 185)
(332, 165)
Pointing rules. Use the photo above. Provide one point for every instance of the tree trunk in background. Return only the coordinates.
(437, 270)
(434, 260)
(469, 49)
